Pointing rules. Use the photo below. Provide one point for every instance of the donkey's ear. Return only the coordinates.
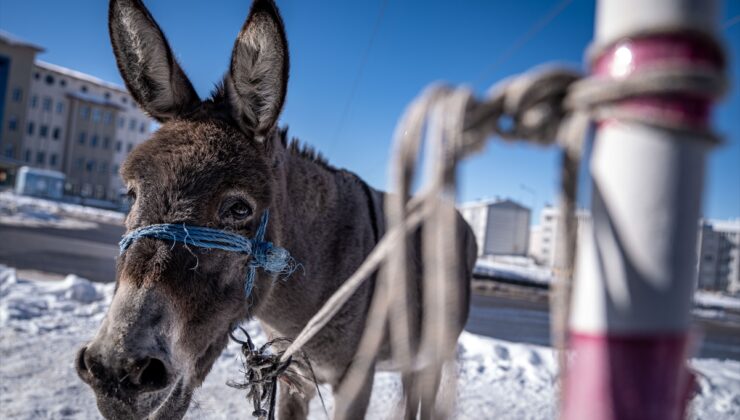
(258, 75)
(145, 60)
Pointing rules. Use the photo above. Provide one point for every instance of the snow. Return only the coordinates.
(717, 300)
(19, 210)
(513, 268)
(44, 322)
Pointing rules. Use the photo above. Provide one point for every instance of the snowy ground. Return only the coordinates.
(18, 210)
(42, 323)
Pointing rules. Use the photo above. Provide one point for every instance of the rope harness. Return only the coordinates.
(271, 258)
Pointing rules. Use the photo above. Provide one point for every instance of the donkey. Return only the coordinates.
(221, 163)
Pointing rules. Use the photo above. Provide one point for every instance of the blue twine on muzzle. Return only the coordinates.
(273, 259)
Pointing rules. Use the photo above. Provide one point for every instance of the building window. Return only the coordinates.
(46, 104)
(53, 159)
(114, 169)
(28, 156)
(107, 95)
(40, 158)
(85, 112)
(63, 82)
(90, 166)
(34, 101)
(79, 163)
(132, 124)
(94, 140)
(119, 145)
(37, 76)
(56, 133)
(107, 117)
(121, 122)
(82, 138)
(44, 131)
(142, 127)
(86, 190)
(12, 123)
(124, 99)
(60, 107)
(31, 127)
(129, 147)
(9, 151)
(17, 94)
(83, 88)
(96, 115)
(103, 167)
(106, 143)
(49, 79)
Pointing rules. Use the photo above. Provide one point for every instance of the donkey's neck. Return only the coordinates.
(328, 222)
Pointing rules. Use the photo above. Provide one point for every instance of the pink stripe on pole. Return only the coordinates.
(627, 377)
(640, 54)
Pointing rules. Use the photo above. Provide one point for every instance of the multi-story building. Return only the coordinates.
(501, 227)
(16, 66)
(80, 125)
(544, 238)
(719, 255)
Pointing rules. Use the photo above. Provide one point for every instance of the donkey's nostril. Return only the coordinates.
(150, 374)
(82, 370)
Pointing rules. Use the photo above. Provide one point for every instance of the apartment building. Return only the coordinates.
(16, 66)
(719, 255)
(501, 227)
(544, 238)
(77, 124)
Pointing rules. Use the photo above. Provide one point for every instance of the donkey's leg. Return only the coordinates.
(357, 408)
(295, 406)
(421, 388)
(410, 391)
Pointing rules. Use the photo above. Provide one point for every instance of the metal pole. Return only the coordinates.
(636, 265)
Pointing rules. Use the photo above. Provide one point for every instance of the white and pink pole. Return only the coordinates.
(636, 266)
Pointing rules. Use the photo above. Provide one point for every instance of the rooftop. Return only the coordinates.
(18, 42)
(490, 202)
(80, 76)
(732, 225)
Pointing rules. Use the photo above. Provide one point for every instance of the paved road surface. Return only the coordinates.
(89, 253)
(528, 320)
(519, 314)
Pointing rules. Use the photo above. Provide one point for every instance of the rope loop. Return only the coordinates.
(264, 254)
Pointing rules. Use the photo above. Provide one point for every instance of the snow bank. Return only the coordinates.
(19, 210)
(517, 269)
(43, 323)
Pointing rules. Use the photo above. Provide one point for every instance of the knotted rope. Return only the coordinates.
(550, 105)
(271, 258)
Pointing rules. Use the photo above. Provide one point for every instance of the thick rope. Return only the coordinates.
(546, 106)
(273, 259)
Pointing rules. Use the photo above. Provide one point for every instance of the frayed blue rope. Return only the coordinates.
(265, 255)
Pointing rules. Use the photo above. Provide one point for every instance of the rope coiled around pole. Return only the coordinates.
(546, 106)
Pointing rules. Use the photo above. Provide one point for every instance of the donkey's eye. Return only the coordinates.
(131, 196)
(238, 210)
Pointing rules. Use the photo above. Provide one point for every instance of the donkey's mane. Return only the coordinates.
(303, 150)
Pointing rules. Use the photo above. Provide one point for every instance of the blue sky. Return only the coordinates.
(416, 43)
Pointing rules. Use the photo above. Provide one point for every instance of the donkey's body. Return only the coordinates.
(222, 163)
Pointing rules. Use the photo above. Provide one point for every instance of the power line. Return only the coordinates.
(360, 71)
(536, 28)
(731, 22)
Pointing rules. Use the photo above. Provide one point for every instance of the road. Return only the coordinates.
(513, 313)
(89, 253)
(524, 316)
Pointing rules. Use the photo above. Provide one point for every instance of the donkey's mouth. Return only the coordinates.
(166, 404)
(175, 404)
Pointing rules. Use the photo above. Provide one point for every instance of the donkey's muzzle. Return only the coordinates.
(121, 377)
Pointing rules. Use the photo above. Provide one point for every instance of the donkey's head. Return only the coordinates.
(212, 163)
